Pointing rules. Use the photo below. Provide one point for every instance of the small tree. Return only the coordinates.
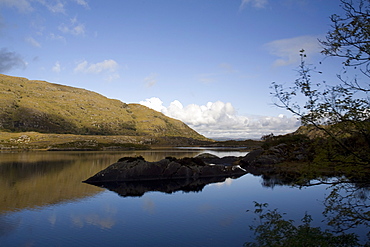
(342, 111)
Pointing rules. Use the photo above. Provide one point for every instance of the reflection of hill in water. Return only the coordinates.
(36, 179)
(272, 179)
(29, 180)
(139, 188)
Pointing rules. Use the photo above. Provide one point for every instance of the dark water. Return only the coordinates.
(44, 203)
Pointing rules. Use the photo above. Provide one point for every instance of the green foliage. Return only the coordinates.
(343, 105)
(329, 151)
(289, 139)
(347, 205)
(274, 231)
(350, 34)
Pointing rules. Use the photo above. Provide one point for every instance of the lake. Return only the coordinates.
(45, 203)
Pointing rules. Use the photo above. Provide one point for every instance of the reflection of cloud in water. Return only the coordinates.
(52, 219)
(110, 209)
(206, 207)
(221, 154)
(227, 220)
(227, 182)
(93, 219)
(149, 206)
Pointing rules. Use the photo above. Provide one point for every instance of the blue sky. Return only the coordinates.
(209, 63)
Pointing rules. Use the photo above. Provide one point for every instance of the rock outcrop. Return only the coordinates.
(275, 155)
(138, 169)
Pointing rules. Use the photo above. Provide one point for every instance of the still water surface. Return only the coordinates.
(44, 203)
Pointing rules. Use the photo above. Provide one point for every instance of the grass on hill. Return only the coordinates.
(28, 105)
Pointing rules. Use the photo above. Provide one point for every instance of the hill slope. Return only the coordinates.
(28, 105)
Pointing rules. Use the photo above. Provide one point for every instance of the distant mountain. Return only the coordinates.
(28, 105)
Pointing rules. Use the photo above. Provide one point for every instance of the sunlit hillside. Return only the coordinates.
(28, 105)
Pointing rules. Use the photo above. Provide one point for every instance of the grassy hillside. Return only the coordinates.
(28, 105)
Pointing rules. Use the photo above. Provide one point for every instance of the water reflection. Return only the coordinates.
(44, 203)
(169, 186)
(38, 182)
(346, 204)
(37, 179)
(103, 222)
(8, 225)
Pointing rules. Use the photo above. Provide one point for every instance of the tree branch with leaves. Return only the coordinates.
(341, 110)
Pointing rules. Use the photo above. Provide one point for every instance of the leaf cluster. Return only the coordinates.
(334, 106)
(350, 34)
(347, 206)
(346, 103)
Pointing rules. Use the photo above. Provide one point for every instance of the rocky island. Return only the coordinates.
(138, 169)
(134, 176)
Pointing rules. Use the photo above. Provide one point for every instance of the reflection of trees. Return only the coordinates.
(271, 180)
(347, 205)
(275, 231)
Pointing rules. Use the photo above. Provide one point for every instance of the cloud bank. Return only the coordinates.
(220, 120)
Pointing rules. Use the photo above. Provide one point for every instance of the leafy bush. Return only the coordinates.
(289, 139)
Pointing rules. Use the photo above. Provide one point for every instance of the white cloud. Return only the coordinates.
(151, 80)
(254, 3)
(26, 6)
(57, 37)
(33, 42)
(155, 104)
(107, 66)
(21, 5)
(82, 67)
(288, 49)
(220, 120)
(207, 78)
(74, 27)
(112, 77)
(228, 68)
(82, 3)
(56, 68)
(57, 7)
